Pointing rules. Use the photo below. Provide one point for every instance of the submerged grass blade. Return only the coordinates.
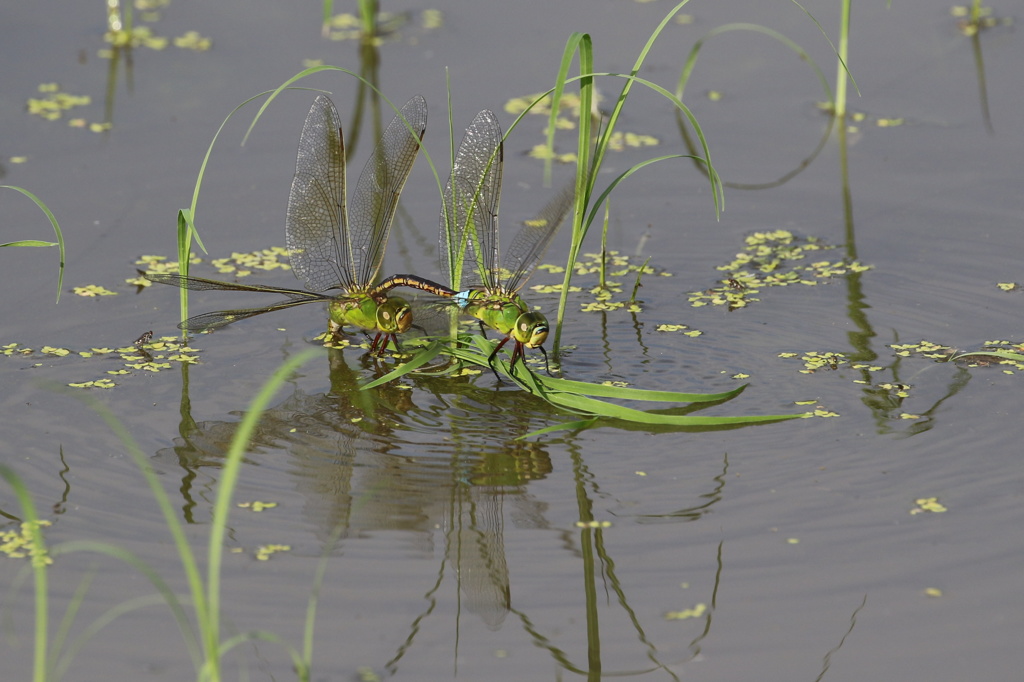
(56, 228)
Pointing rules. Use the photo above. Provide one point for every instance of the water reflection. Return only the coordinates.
(392, 459)
(442, 465)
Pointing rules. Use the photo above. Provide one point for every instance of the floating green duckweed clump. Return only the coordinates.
(607, 292)
(858, 118)
(926, 349)
(23, 543)
(191, 40)
(681, 328)
(156, 265)
(264, 552)
(242, 264)
(567, 119)
(93, 290)
(151, 356)
(53, 103)
(237, 264)
(816, 360)
(928, 504)
(256, 506)
(773, 259)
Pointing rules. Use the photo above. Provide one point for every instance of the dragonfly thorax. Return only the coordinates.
(392, 315)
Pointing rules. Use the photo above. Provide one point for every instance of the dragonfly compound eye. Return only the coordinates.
(404, 319)
(394, 315)
(533, 329)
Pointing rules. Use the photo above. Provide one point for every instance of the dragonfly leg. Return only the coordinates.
(547, 367)
(383, 338)
(490, 358)
(517, 353)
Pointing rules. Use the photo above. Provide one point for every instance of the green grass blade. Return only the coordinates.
(110, 615)
(60, 637)
(181, 543)
(596, 205)
(328, 12)
(162, 587)
(186, 230)
(564, 426)
(230, 471)
(1004, 354)
(28, 242)
(585, 405)
(301, 670)
(56, 229)
(840, 52)
(691, 60)
(576, 396)
(209, 149)
(581, 43)
(625, 393)
(421, 358)
(38, 549)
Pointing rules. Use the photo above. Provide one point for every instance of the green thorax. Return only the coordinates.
(391, 316)
(509, 315)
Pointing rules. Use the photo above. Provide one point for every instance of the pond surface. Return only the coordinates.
(801, 550)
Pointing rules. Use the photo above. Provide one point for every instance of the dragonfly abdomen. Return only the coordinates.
(379, 292)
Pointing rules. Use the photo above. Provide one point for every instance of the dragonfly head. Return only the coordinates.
(394, 315)
(531, 329)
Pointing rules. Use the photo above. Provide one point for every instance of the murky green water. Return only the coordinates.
(801, 550)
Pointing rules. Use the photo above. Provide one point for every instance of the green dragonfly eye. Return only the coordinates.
(532, 329)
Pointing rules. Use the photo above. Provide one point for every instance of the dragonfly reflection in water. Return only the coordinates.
(492, 292)
(331, 247)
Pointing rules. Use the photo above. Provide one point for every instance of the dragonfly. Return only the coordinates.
(491, 295)
(330, 245)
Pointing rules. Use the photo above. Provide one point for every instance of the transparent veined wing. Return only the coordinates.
(316, 205)
(471, 196)
(529, 245)
(377, 191)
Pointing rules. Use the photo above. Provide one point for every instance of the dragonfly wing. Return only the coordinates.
(316, 206)
(203, 284)
(221, 318)
(378, 189)
(529, 245)
(472, 196)
(457, 254)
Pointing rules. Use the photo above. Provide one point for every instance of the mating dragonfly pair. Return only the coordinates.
(332, 247)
